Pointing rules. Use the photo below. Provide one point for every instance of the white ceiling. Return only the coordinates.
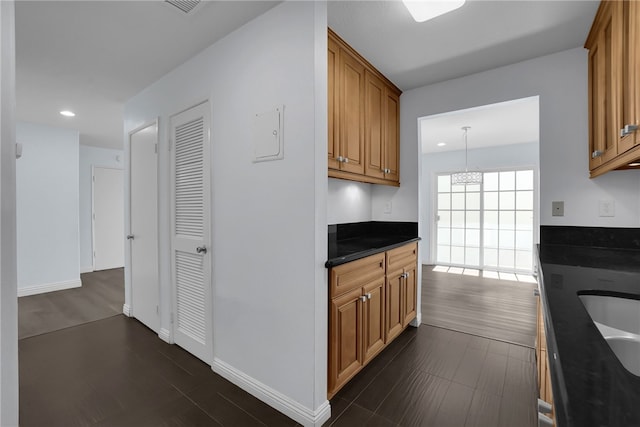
(91, 56)
(479, 36)
(504, 123)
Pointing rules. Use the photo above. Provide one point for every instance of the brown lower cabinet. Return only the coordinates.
(544, 374)
(372, 300)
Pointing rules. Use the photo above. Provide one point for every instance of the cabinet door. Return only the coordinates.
(603, 90)
(351, 113)
(332, 100)
(373, 319)
(634, 67)
(392, 136)
(394, 315)
(345, 335)
(630, 93)
(374, 126)
(409, 295)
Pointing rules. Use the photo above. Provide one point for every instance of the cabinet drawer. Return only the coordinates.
(400, 257)
(355, 274)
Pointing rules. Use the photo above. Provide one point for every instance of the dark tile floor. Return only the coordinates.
(101, 296)
(437, 377)
(116, 372)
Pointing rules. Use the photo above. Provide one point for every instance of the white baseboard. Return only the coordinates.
(88, 269)
(48, 287)
(273, 398)
(126, 310)
(417, 321)
(165, 335)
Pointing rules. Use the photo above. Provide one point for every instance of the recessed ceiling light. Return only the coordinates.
(67, 113)
(634, 164)
(441, 144)
(429, 9)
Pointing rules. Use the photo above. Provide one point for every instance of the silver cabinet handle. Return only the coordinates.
(129, 236)
(628, 129)
(544, 421)
(340, 158)
(536, 292)
(363, 298)
(544, 407)
(201, 249)
(345, 159)
(596, 154)
(368, 295)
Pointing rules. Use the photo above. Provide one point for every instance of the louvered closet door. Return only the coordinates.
(191, 252)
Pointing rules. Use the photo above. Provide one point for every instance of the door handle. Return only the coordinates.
(201, 249)
(129, 236)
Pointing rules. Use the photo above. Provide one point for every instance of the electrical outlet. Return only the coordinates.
(606, 208)
(387, 207)
(557, 208)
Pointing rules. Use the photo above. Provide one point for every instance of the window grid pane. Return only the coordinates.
(497, 233)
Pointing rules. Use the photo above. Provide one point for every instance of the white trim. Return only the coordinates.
(88, 269)
(165, 335)
(126, 310)
(48, 287)
(417, 321)
(273, 398)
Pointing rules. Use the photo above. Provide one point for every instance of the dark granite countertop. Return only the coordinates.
(350, 242)
(590, 385)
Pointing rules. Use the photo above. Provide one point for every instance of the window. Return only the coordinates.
(488, 225)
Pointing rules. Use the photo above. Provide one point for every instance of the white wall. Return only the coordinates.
(348, 201)
(8, 289)
(47, 209)
(561, 82)
(268, 219)
(490, 158)
(92, 157)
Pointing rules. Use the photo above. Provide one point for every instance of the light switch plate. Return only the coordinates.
(387, 207)
(606, 208)
(557, 208)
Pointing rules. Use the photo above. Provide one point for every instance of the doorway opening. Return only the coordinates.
(493, 224)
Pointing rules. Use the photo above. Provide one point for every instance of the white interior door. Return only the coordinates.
(108, 218)
(191, 255)
(145, 287)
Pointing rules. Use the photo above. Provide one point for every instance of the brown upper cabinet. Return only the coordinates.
(364, 116)
(614, 87)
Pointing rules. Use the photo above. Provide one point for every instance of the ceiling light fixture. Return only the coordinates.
(67, 113)
(429, 9)
(466, 177)
(441, 144)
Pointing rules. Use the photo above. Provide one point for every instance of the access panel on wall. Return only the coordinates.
(190, 221)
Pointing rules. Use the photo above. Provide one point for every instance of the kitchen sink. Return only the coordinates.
(618, 320)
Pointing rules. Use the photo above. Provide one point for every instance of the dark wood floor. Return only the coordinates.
(431, 376)
(101, 296)
(116, 372)
(497, 309)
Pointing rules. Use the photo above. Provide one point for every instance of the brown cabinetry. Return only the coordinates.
(401, 288)
(356, 324)
(364, 302)
(544, 374)
(363, 106)
(614, 92)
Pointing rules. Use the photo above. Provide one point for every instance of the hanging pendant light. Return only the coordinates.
(466, 177)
